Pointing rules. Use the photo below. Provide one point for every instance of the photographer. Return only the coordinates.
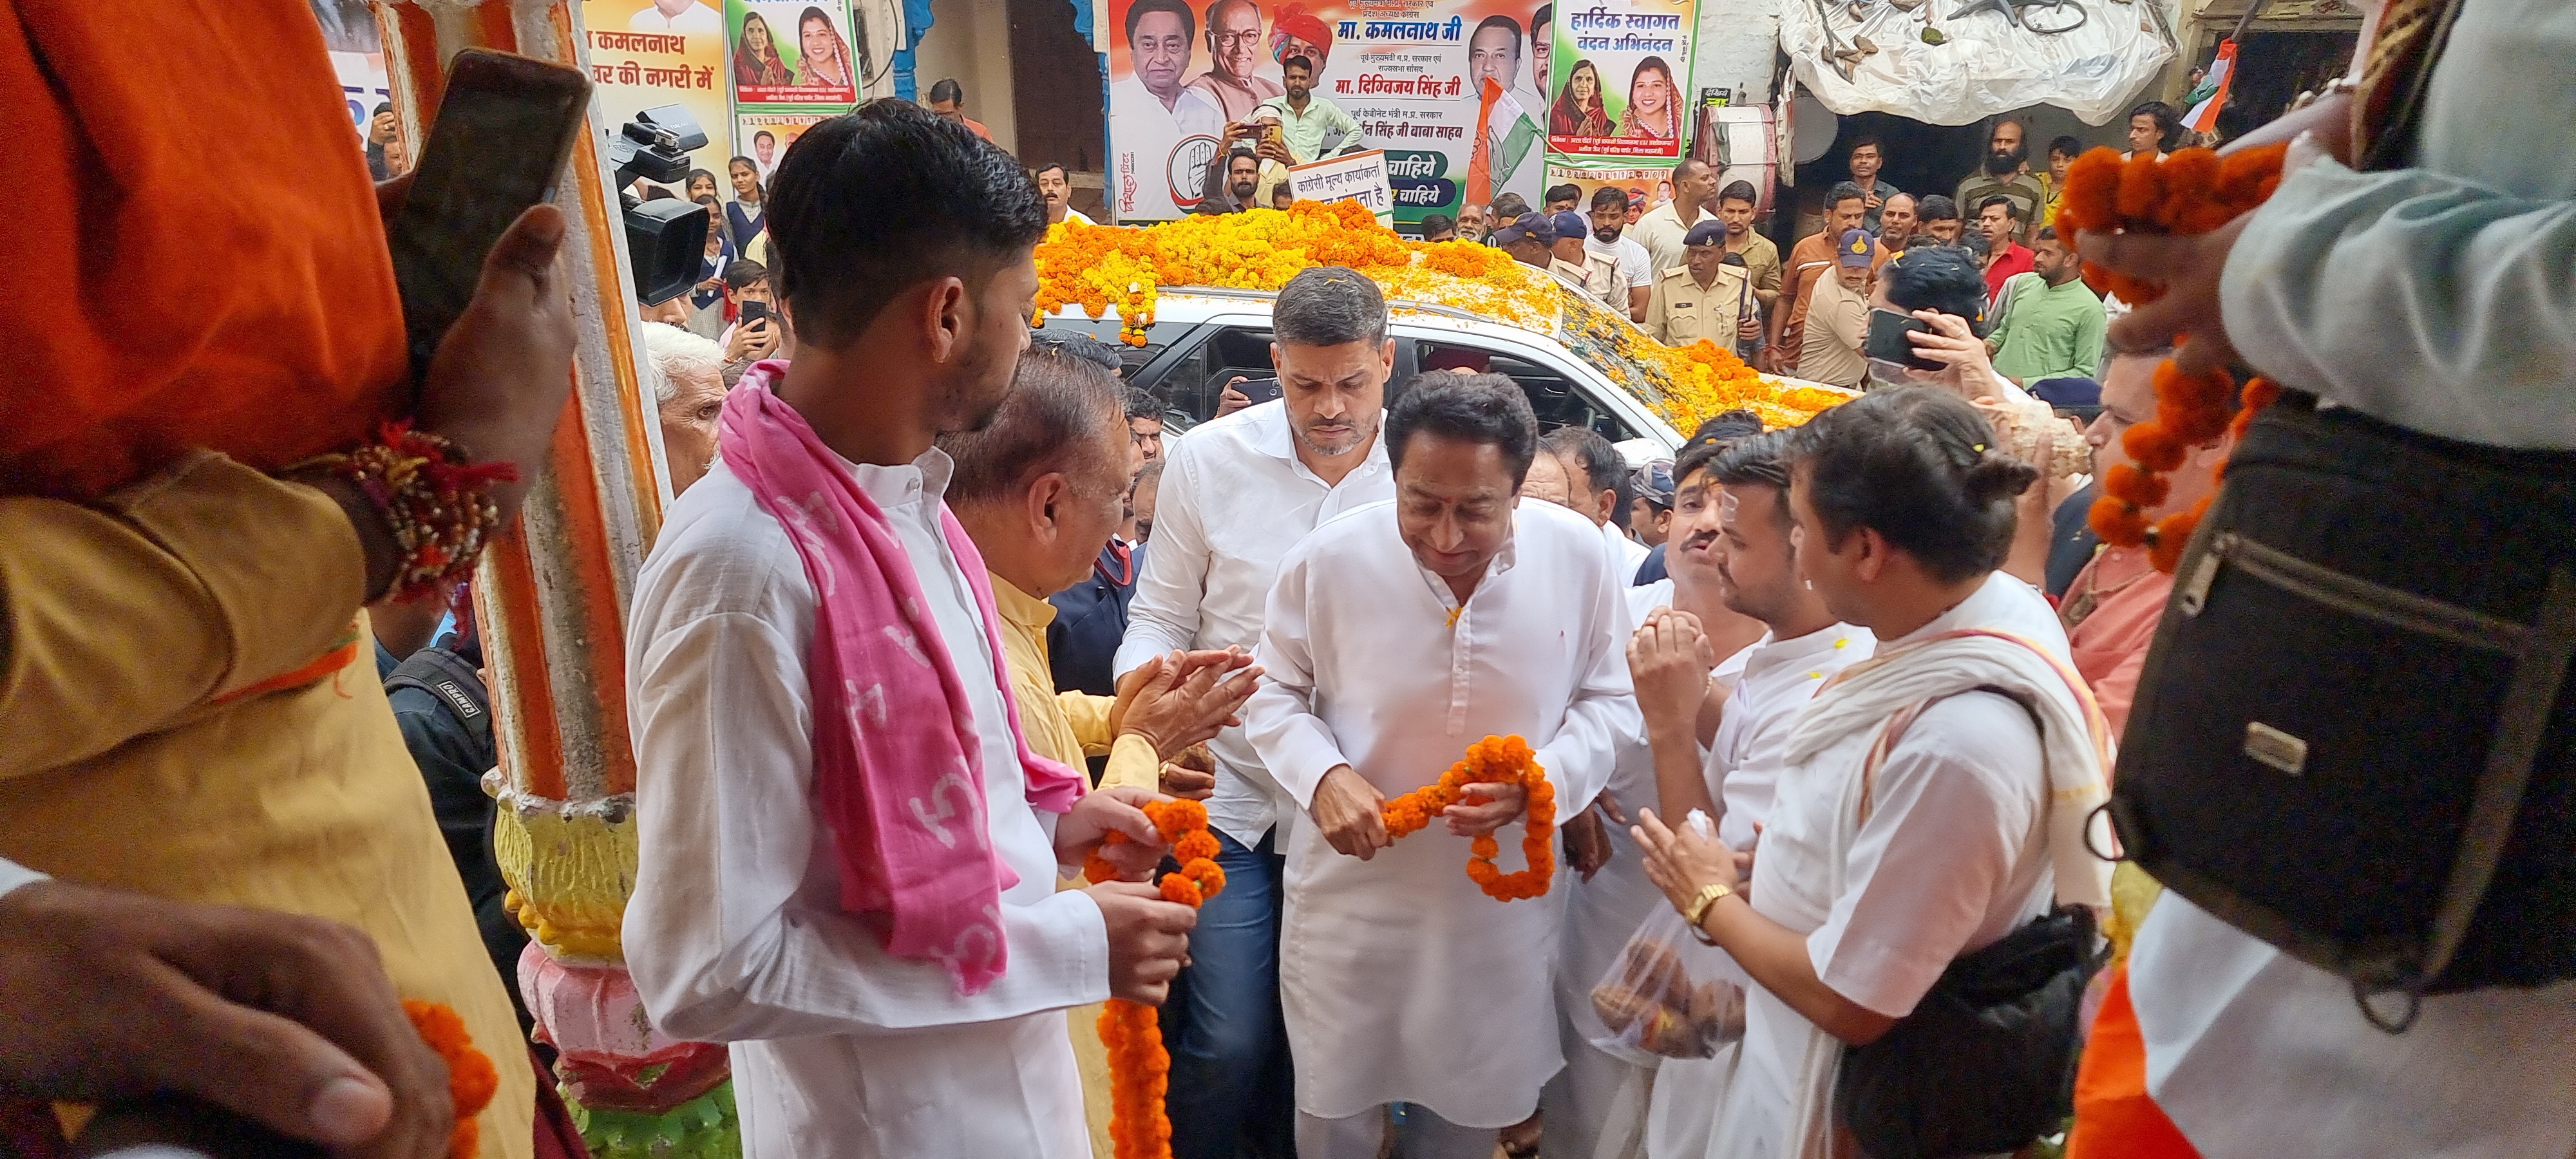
(1253, 162)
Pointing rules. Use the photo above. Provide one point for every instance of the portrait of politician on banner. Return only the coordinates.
(791, 53)
(1418, 87)
(1620, 71)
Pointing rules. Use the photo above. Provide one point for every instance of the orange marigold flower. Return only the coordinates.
(2117, 522)
(2092, 190)
(471, 1078)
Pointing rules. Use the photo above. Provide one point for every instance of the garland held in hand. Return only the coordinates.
(1140, 1070)
(471, 1079)
(1493, 760)
(2194, 191)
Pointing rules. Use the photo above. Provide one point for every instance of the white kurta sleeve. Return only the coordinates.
(717, 944)
(1954, 823)
(13, 875)
(1164, 615)
(1604, 712)
(2424, 299)
(1280, 720)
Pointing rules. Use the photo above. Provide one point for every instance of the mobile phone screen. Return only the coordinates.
(503, 131)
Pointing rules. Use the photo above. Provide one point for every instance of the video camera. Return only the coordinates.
(666, 239)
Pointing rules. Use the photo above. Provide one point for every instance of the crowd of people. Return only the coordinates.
(940, 609)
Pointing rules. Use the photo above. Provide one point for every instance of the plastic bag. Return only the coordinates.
(1669, 995)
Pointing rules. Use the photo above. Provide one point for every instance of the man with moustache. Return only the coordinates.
(1539, 81)
(1731, 511)
(1897, 223)
(1403, 980)
(1155, 108)
(1055, 188)
(1228, 89)
(1511, 132)
(1236, 494)
(2005, 173)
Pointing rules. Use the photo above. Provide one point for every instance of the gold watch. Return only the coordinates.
(1698, 908)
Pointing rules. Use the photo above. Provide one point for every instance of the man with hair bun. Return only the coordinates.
(1397, 636)
(1979, 754)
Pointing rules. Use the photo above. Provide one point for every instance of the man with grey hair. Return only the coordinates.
(1235, 495)
(687, 373)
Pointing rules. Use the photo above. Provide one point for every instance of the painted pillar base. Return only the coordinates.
(702, 1128)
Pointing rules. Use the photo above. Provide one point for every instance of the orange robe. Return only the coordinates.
(198, 244)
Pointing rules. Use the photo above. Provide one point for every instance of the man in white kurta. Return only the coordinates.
(1402, 981)
(736, 931)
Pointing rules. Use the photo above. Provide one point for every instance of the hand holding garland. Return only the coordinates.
(1139, 1067)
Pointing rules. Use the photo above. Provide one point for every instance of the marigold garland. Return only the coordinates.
(471, 1079)
(1493, 760)
(1140, 1069)
(1101, 268)
(2194, 191)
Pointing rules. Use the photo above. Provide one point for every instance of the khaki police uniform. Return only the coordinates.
(1679, 311)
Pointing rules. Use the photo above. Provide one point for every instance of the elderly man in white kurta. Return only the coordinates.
(1398, 635)
(755, 918)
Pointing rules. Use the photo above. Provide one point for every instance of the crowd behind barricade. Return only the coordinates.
(1805, 735)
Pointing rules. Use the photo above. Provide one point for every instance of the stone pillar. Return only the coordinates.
(551, 600)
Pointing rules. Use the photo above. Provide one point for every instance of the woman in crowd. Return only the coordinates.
(1654, 106)
(700, 185)
(747, 215)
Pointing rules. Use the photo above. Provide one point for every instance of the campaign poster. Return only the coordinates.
(644, 54)
(1647, 187)
(1359, 177)
(766, 136)
(1412, 73)
(794, 53)
(1620, 68)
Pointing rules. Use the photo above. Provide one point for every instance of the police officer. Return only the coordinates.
(1704, 297)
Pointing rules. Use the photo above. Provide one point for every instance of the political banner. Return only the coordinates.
(1412, 73)
(644, 54)
(767, 136)
(1620, 68)
(792, 53)
(1359, 177)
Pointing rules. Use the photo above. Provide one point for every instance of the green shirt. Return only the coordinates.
(1305, 134)
(2048, 331)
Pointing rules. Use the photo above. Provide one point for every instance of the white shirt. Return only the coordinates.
(2481, 1075)
(1752, 743)
(1235, 497)
(1146, 181)
(1661, 231)
(1072, 214)
(694, 18)
(1626, 555)
(1400, 979)
(736, 932)
(1633, 268)
(1951, 858)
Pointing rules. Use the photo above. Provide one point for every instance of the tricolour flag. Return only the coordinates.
(2203, 117)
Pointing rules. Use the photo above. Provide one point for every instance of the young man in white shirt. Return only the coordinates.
(1398, 635)
(1236, 493)
(1630, 272)
(1919, 815)
(1738, 496)
(750, 923)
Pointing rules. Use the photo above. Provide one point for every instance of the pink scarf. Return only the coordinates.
(897, 771)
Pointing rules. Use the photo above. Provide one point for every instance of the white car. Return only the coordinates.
(1203, 338)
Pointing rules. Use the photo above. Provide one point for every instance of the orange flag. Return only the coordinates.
(1480, 161)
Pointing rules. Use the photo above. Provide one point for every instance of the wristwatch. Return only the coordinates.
(1698, 908)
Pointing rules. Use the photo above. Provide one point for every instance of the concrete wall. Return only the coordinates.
(1739, 46)
(971, 41)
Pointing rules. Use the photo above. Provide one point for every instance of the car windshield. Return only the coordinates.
(1613, 344)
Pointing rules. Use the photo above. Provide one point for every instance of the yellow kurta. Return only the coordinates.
(122, 765)
(1067, 726)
